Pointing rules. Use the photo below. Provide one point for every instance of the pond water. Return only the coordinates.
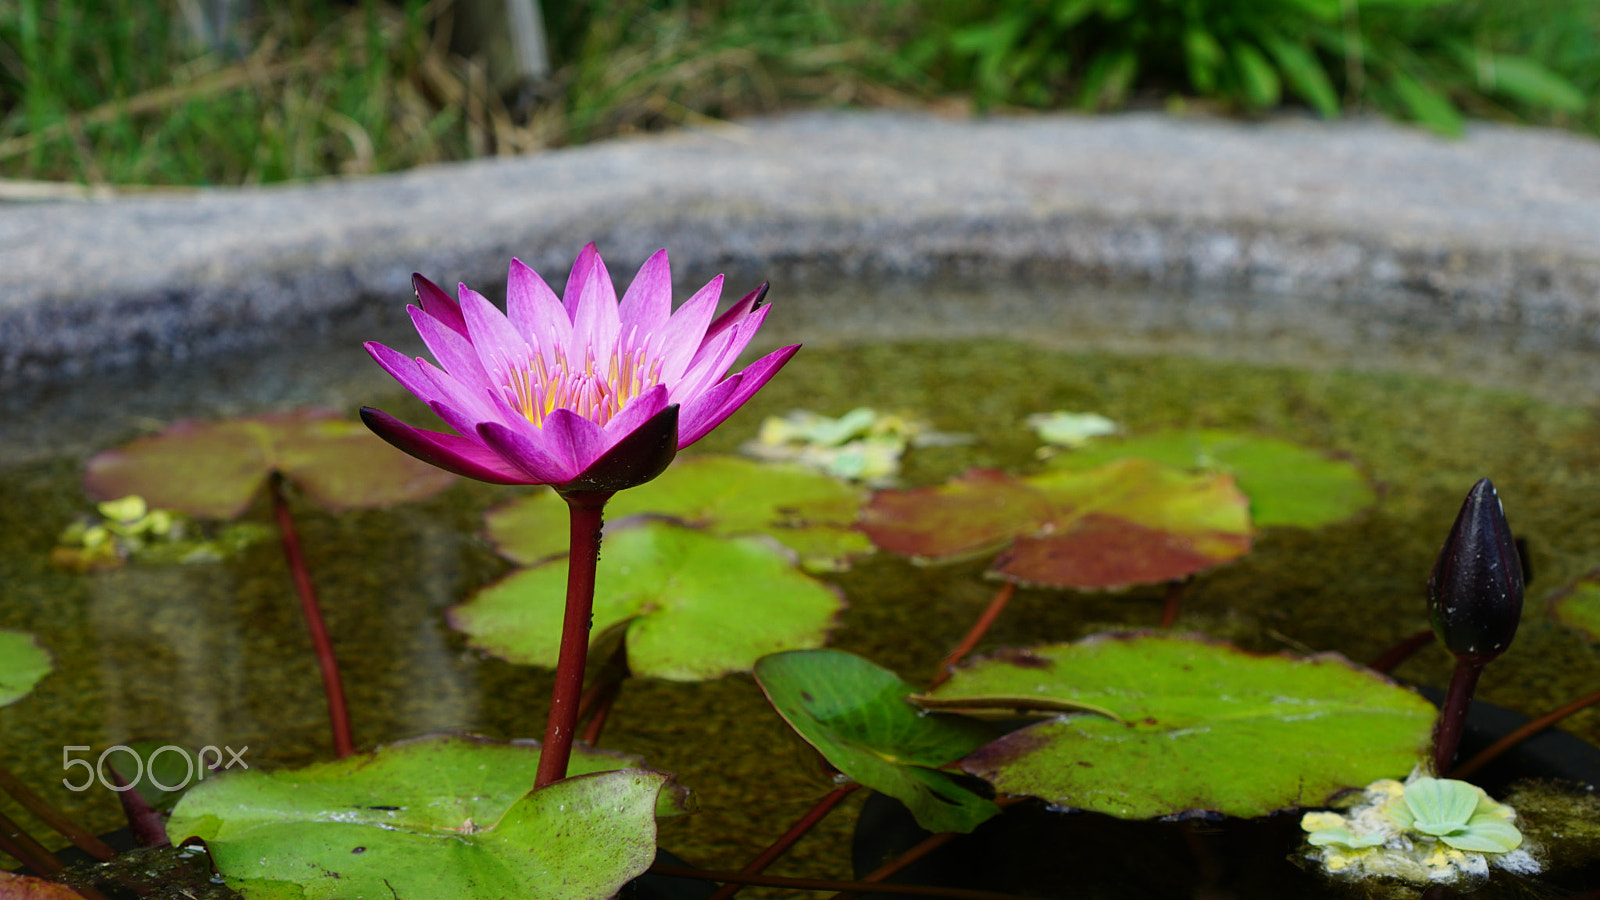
(217, 653)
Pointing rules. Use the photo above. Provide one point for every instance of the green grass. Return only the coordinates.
(116, 91)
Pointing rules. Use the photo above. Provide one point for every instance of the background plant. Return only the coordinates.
(120, 92)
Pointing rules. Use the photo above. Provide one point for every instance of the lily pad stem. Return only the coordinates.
(332, 686)
(81, 837)
(822, 884)
(1490, 753)
(781, 846)
(1453, 715)
(586, 515)
(975, 634)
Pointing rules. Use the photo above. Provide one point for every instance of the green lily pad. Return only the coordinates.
(22, 664)
(1287, 484)
(856, 714)
(808, 512)
(1128, 522)
(695, 606)
(1200, 726)
(215, 468)
(1577, 605)
(441, 816)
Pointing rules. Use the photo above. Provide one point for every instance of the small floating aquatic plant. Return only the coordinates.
(1425, 831)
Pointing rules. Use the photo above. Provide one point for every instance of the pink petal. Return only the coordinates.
(647, 304)
(685, 331)
(751, 380)
(531, 456)
(438, 304)
(568, 435)
(596, 323)
(449, 347)
(500, 348)
(582, 267)
(699, 415)
(407, 371)
(535, 311)
(636, 413)
(447, 451)
(706, 368)
(747, 304)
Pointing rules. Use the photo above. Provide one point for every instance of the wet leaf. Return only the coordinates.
(1577, 605)
(23, 663)
(808, 512)
(215, 468)
(856, 714)
(1287, 484)
(695, 606)
(442, 816)
(1128, 522)
(1203, 726)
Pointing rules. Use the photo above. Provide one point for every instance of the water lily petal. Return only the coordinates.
(685, 331)
(596, 323)
(717, 354)
(438, 304)
(582, 268)
(642, 455)
(453, 349)
(404, 369)
(566, 432)
(447, 451)
(647, 304)
(751, 379)
(500, 348)
(705, 412)
(640, 410)
(536, 312)
(543, 462)
(747, 304)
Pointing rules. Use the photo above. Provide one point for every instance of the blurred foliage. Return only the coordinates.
(122, 92)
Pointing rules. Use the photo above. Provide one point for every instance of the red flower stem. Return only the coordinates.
(1453, 716)
(1399, 653)
(781, 846)
(1176, 590)
(585, 511)
(821, 884)
(55, 818)
(1490, 753)
(975, 634)
(338, 714)
(29, 852)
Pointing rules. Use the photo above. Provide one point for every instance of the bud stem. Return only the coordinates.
(1453, 716)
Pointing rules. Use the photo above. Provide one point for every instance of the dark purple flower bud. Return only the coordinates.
(1475, 591)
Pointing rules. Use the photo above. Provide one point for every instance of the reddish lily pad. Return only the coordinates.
(1577, 605)
(25, 887)
(22, 664)
(1129, 522)
(442, 816)
(694, 606)
(1191, 724)
(806, 511)
(855, 713)
(1287, 484)
(215, 468)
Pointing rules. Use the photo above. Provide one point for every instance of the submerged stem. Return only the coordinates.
(781, 846)
(1528, 730)
(1453, 716)
(975, 634)
(586, 514)
(81, 837)
(338, 714)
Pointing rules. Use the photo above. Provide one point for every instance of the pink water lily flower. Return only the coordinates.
(579, 392)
